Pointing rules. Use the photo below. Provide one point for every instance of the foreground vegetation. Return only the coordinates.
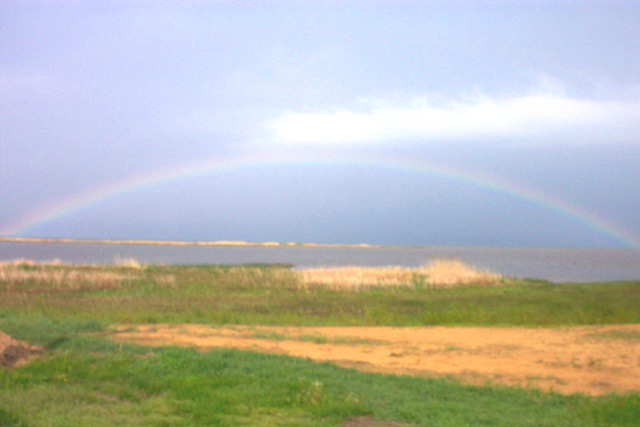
(83, 379)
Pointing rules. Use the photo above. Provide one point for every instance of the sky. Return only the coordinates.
(484, 123)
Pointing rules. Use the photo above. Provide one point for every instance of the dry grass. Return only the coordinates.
(355, 278)
(127, 263)
(26, 274)
(438, 273)
(24, 262)
(447, 273)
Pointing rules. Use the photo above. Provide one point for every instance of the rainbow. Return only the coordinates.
(190, 171)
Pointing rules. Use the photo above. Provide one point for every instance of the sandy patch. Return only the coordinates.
(14, 353)
(588, 359)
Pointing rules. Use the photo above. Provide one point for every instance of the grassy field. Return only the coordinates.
(277, 295)
(87, 380)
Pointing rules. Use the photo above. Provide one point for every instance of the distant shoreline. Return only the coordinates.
(181, 242)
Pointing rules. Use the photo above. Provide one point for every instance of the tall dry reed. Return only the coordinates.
(27, 274)
(447, 273)
(438, 273)
(354, 278)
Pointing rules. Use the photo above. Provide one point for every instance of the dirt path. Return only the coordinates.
(591, 359)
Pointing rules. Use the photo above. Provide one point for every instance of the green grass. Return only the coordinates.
(617, 334)
(82, 379)
(316, 338)
(87, 380)
(270, 295)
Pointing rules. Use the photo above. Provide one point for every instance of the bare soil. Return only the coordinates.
(14, 353)
(586, 359)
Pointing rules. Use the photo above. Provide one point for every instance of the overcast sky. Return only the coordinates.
(407, 122)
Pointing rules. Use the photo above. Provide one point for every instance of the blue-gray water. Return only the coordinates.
(559, 265)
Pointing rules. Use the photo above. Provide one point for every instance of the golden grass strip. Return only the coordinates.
(354, 278)
(50, 276)
(452, 272)
(127, 262)
(438, 273)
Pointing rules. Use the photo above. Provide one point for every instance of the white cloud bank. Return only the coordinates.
(528, 117)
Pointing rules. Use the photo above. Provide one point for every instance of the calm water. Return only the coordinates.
(580, 265)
